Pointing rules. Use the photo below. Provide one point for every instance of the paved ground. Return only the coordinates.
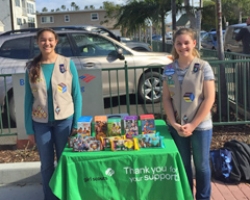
(20, 181)
(28, 191)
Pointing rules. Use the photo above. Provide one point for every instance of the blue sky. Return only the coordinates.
(54, 4)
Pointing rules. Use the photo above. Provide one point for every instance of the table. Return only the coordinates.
(147, 174)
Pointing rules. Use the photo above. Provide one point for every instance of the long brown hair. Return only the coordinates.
(34, 65)
(184, 31)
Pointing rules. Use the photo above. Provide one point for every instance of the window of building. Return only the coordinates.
(30, 8)
(19, 21)
(31, 22)
(47, 19)
(66, 18)
(31, 19)
(94, 16)
(17, 2)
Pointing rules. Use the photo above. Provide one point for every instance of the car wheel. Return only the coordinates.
(150, 87)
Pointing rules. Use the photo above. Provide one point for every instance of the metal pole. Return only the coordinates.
(127, 90)
(11, 15)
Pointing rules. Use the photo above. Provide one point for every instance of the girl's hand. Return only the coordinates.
(179, 129)
(187, 129)
(31, 139)
(73, 132)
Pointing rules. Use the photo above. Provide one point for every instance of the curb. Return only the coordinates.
(21, 173)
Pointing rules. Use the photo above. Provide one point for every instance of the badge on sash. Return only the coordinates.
(185, 118)
(57, 110)
(171, 94)
(169, 70)
(188, 97)
(62, 87)
(196, 67)
(170, 81)
(62, 68)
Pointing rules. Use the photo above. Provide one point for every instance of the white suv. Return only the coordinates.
(87, 50)
(230, 44)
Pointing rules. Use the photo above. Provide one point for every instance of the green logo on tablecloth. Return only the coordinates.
(109, 172)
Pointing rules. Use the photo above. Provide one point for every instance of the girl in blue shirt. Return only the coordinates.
(49, 134)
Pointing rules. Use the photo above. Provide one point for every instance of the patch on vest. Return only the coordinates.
(34, 90)
(39, 112)
(189, 97)
(196, 67)
(57, 110)
(62, 87)
(185, 118)
(39, 80)
(170, 81)
(171, 94)
(169, 71)
(62, 68)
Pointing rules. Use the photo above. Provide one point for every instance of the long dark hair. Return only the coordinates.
(34, 65)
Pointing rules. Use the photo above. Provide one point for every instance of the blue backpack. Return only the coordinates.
(221, 163)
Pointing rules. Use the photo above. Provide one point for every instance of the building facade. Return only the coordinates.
(18, 14)
(94, 17)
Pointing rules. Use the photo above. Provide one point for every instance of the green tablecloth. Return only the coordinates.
(147, 174)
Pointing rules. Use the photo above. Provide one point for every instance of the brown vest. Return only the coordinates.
(186, 97)
(61, 82)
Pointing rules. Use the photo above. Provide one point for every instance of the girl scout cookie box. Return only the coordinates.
(130, 124)
(114, 126)
(100, 126)
(83, 129)
(84, 125)
(147, 123)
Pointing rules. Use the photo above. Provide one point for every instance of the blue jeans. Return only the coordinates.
(199, 142)
(50, 137)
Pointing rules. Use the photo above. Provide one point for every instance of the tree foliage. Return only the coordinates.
(45, 9)
(233, 12)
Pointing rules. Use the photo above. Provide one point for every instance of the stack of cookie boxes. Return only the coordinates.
(115, 133)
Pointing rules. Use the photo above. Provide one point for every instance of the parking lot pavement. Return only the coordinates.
(20, 181)
(28, 191)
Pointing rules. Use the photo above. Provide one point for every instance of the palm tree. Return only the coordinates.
(44, 9)
(134, 15)
(77, 7)
(86, 8)
(63, 7)
(92, 7)
(73, 4)
(58, 9)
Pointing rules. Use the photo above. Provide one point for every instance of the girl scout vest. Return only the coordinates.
(186, 97)
(61, 82)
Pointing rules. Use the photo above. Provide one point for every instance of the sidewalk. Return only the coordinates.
(20, 181)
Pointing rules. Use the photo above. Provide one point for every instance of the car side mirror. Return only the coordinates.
(120, 54)
(113, 55)
(118, 38)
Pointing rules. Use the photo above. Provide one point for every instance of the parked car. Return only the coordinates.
(209, 40)
(159, 37)
(202, 33)
(137, 46)
(230, 44)
(87, 50)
